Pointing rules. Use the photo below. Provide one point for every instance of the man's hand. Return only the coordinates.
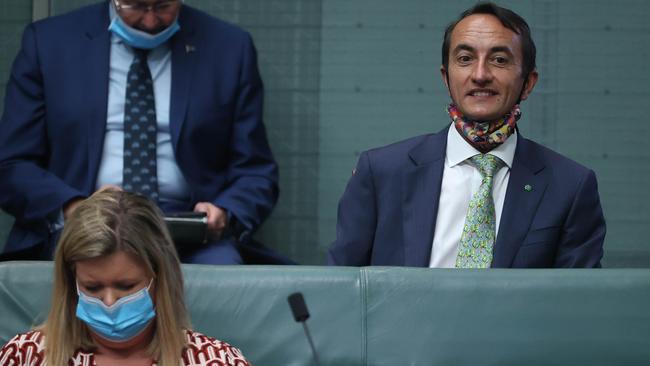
(71, 205)
(217, 219)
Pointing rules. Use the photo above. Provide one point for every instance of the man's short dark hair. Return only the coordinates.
(508, 19)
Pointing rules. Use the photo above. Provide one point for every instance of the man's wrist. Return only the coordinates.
(235, 229)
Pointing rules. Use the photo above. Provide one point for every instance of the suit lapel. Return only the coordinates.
(420, 194)
(184, 54)
(520, 203)
(94, 69)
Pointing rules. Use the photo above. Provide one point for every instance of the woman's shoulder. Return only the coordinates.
(24, 349)
(202, 348)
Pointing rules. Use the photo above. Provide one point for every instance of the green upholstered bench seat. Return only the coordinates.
(397, 316)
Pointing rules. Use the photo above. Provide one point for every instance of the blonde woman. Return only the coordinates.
(118, 295)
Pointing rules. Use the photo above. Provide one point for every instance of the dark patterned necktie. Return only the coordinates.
(139, 172)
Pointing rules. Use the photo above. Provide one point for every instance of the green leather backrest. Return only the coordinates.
(397, 316)
(508, 317)
(245, 306)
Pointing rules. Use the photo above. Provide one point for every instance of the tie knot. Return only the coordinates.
(487, 164)
(140, 55)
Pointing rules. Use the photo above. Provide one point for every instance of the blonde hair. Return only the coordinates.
(107, 222)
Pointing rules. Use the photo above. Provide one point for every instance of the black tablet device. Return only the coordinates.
(187, 228)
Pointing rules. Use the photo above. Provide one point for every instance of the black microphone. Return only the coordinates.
(301, 314)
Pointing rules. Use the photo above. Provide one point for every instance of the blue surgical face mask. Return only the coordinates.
(139, 39)
(120, 322)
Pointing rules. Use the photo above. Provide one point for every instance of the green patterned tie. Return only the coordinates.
(477, 240)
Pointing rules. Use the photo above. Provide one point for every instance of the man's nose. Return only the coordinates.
(149, 22)
(482, 74)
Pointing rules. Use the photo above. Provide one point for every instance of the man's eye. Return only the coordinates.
(464, 59)
(164, 5)
(500, 60)
(138, 6)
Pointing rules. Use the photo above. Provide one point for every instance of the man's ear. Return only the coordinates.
(445, 78)
(529, 84)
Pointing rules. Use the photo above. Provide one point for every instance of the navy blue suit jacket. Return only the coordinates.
(52, 130)
(387, 214)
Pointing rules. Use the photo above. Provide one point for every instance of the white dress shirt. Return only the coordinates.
(460, 180)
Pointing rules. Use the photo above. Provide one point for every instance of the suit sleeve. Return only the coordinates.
(357, 219)
(583, 233)
(28, 190)
(252, 172)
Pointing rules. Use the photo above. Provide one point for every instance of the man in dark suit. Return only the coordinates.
(187, 79)
(477, 194)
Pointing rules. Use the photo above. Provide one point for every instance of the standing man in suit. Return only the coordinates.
(150, 96)
(477, 194)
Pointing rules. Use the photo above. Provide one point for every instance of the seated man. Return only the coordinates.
(151, 96)
(477, 194)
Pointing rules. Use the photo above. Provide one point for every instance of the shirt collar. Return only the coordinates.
(459, 150)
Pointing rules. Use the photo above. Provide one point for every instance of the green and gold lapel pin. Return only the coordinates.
(528, 188)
